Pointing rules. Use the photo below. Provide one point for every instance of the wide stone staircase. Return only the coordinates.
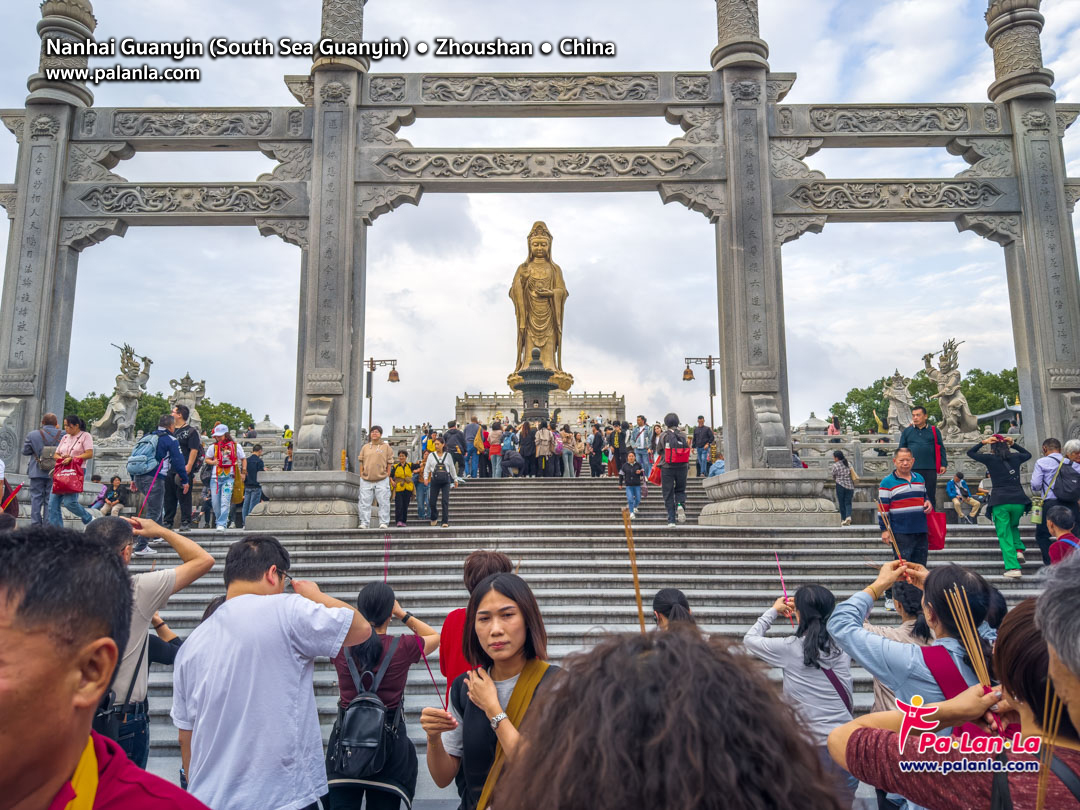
(567, 537)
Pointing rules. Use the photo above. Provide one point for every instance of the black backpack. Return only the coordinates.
(440, 475)
(1067, 484)
(363, 733)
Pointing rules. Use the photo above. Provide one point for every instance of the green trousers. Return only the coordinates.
(1007, 524)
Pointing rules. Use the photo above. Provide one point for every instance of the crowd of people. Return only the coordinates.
(667, 718)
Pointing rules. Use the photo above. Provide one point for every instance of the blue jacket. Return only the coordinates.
(718, 467)
(957, 492)
(168, 446)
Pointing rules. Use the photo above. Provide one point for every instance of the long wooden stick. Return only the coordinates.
(633, 566)
(888, 527)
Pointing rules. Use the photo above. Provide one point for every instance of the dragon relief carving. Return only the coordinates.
(191, 123)
(701, 125)
(144, 199)
(788, 229)
(387, 88)
(786, 157)
(846, 196)
(80, 234)
(381, 127)
(541, 164)
(376, 200)
(889, 119)
(295, 161)
(705, 198)
(989, 157)
(693, 86)
(302, 89)
(90, 162)
(541, 88)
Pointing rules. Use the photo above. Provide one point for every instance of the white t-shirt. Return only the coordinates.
(452, 740)
(242, 684)
(150, 592)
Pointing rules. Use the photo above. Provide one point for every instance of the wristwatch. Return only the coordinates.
(496, 720)
(406, 617)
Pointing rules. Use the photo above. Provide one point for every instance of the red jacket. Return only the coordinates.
(123, 785)
(1060, 548)
(451, 657)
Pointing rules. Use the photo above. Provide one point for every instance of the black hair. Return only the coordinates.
(113, 532)
(1051, 445)
(900, 450)
(702, 418)
(86, 598)
(919, 408)
(1001, 450)
(451, 424)
(185, 412)
(1061, 517)
(839, 456)
(256, 448)
(7, 523)
(249, 559)
(671, 603)
(376, 604)
(959, 475)
(215, 603)
(815, 604)
(95, 478)
(950, 577)
(116, 478)
(374, 428)
(166, 421)
(910, 599)
(73, 419)
(997, 609)
(672, 420)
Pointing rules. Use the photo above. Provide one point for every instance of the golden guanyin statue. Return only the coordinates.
(539, 295)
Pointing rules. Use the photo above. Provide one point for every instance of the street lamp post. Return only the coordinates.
(394, 377)
(709, 363)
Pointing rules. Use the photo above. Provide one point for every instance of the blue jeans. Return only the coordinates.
(422, 501)
(633, 497)
(252, 498)
(472, 463)
(703, 461)
(135, 737)
(568, 462)
(843, 500)
(69, 502)
(221, 487)
(496, 466)
(642, 457)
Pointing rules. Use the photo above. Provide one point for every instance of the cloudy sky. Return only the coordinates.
(438, 274)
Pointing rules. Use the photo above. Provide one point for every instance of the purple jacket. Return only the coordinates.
(1044, 472)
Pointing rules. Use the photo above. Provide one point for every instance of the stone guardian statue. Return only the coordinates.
(898, 395)
(188, 392)
(539, 295)
(117, 424)
(955, 413)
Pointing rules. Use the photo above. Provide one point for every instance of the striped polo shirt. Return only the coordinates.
(903, 500)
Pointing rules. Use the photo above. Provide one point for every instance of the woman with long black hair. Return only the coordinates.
(506, 643)
(670, 606)
(1008, 501)
(817, 673)
(845, 488)
(527, 448)
(397, 779)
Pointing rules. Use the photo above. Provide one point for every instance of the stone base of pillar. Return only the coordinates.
(307, 500)
(768, 497)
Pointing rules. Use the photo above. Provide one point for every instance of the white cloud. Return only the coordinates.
(641, 275)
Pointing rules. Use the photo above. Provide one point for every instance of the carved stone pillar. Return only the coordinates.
(67, 21)
(739, 41)
(1040, 250)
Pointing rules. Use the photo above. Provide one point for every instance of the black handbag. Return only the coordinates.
(109, 712)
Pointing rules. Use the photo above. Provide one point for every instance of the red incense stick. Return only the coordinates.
(782, 585)
(14, 492)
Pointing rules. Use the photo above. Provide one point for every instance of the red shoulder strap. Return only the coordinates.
(951, 682)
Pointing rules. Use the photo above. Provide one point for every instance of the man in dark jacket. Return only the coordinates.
(703, 439)
(152, 484)
(925, 443)
(596, 459)
(454, 442)
(48, 435)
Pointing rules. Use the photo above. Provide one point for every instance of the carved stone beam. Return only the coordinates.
(9, 196)
(702, 126)
(295, 161)
(374, 201)
(1001, 228)
(13, 122)
(166, 129)
(379, 128)
(859, 125)
(788, 229)
(186, 203)
(1066, 116)
(709, 199)
(989, 157)
(302, 88)
(930, 200)
(293, 231)
(480, 95)
(90, 162)
(561, 170)
(1072, 193)
(80, 234)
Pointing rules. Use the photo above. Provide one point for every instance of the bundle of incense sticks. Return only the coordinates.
(888, 527)
(1050, 724)
(969, 632)
(633, 566)
(783, 585)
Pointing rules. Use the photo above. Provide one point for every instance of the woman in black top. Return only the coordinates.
(527, 448)
(1008, 501)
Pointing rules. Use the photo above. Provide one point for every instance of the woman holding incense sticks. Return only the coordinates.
(1008, 501)
(387, 659)
(477, 734)
(817, 673)
(869, 746)
(937, 671)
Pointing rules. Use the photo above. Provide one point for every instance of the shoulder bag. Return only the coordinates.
(107, 718)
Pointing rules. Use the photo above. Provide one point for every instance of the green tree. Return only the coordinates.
(985, 392)
(151, 408)
(89, 408)
(234, 416)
